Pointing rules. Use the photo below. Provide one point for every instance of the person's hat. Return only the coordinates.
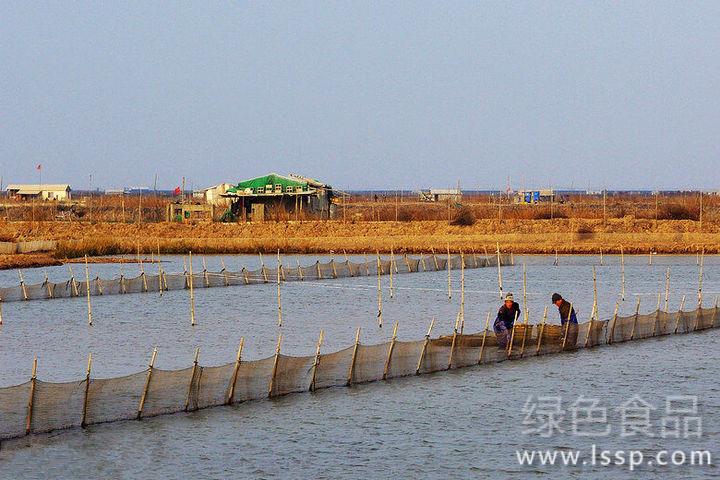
(556, 297)
(509, 297)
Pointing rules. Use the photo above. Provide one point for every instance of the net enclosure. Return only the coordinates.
(36, 406)
(161, 281)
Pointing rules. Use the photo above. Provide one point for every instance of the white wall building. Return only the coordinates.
(40, 191)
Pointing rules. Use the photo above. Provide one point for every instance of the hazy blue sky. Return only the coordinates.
(362, 94)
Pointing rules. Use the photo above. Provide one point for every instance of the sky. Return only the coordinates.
(362, 95)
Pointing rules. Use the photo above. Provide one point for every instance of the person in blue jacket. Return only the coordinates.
(506, 316)
(567, 314)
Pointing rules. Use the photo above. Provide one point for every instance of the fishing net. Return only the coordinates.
(57, 405)
(115, 398)
(167, 392)
(13, 410)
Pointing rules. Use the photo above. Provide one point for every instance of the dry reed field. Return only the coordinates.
(677, 224)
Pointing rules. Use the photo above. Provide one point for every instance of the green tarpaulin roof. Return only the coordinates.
(271, 179)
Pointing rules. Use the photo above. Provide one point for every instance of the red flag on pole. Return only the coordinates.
(39, 166)
(176, 191)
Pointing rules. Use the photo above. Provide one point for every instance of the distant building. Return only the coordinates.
(441, 195)
(251, 198)
(39, 191)
(535, 196)
(214, 195)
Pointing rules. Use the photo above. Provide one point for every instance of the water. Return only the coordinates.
(465, 423)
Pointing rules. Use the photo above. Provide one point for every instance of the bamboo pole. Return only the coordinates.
(263, 271)
(424, 348)
(73, 283)
(499, 270)
(595, 293)
(275, 366)
(392, 259)
(590, 326)
(556, 262)
(482, 345)
(316, 362)
(437, 264)
(48, 285)
(622, 273)
(637, 314)
(475, 263)
(31, 398)
(601, 258)
(332, 265)
(224, 272)
(454, 340)
(512, 337)
(151, 365)
(22, 285)
(192, 378)
(700, 277)
(487, 257)
(206, 278)
(422, 262)
(667, 288)
(83, 422)
(87, 289)
(449, 265)
(527, 331)
(379, 292)
(679, 314)
(386, 370)
(657, 315)
(525, 311)
(300, 270)
(122, 280)
(462, 292)
(245, 276)
(611, 336)
(567, 326)
(142, 271)
(192, 293)
(367, 265)
(279, 301)
(351, 371)
(541, 331)
(236, 368)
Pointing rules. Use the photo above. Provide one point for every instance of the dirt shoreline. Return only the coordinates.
(567, 236)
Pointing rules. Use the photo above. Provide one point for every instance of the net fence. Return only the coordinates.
(37, 406)
(163, 281)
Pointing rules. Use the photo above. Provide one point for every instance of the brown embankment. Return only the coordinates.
(519, 236)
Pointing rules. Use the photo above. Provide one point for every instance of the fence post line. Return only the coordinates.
(317, 267)
(279, 301)
(424, 348)
(271, 387)
(379, 292)
(437, 265)
(611, 336)
(142, 272)
(262, 268)
(206, 278)
(449, 265)
(512, 336)
(317, 361)
(233, 378)
(475, 263)
(454, 340)
(390, 352)
(87, 391)
(635, 320)
(679, 314)
(122, 280)
(99, 285)
(351, 371)
(541, 331)
(422, 261)
(245, 276)
(482, 345)
(192, 378)
(407, 262)
(22, 285)
(151, 365)
(487, 257)
(497, 250)
(31, 398)
(567, 327)
(192, 293)
(87, 289)
(556, 262)
(347, 264)
(334, 269)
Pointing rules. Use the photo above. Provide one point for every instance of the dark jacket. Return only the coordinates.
(507, 315)
(565, 313)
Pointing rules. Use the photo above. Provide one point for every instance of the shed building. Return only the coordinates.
(39, 191)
